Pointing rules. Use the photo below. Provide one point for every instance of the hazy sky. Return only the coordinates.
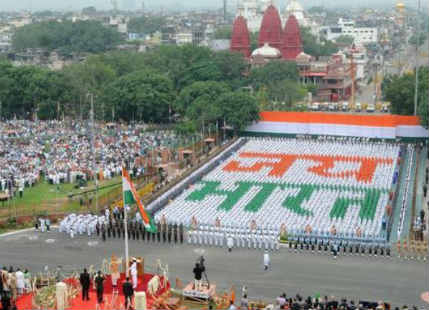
(35, 5)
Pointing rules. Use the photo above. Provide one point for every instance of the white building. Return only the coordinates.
(296, 9)
(361, 35)
(253, 11)
(183, 38)
(361, 62)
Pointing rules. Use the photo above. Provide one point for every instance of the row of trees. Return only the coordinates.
(146, 24)
(191, 84)
(400, 91)
(66, 37)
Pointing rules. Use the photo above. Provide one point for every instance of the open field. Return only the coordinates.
(45, 198)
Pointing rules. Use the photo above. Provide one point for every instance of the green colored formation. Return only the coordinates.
(367, 201)
(295, 203)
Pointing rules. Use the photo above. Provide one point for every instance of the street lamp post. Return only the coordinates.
(92, 142)
(416, 86)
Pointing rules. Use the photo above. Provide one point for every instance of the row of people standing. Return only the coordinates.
(137, 230)
(99, 282)
(44, 224)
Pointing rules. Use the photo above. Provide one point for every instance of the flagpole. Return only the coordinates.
(127, 268)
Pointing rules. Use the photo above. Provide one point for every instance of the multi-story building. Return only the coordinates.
(361, 35)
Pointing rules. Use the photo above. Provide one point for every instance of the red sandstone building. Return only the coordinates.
(332, 76)
(286, 40)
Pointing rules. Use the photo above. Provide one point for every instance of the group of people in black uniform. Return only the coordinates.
(136, 231)
(340, 247)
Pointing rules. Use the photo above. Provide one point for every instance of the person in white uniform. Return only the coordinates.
(266, 260)
(42, 224)
(230, 243)
(20, 281)
(133, 271)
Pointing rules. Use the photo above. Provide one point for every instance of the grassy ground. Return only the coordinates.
(55, 199)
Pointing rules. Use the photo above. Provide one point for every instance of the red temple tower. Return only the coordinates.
(240, 39)
(271, 28)
(291, 43)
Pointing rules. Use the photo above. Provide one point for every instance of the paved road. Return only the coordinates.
(397, 281)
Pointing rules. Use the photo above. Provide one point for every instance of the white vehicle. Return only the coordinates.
(331, 106)
(370, 108)
(345, 106)
(385, 108)
(358, 107)
(325, 106)
(315, 106)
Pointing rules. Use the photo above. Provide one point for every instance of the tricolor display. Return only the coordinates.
(313, 123)
(130, 197)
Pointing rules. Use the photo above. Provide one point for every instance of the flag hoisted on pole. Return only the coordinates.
(130, 197)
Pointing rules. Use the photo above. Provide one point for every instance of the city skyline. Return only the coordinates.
(36, 5)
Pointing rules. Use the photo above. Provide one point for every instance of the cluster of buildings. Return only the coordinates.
(333, 76)
(279, 37)
(336, 77)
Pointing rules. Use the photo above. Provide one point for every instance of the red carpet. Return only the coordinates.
(25, 302)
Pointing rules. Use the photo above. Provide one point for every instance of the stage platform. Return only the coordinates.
(110, 301)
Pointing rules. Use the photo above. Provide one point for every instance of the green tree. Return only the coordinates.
(89, 77)
(223, 32)
(204, 110)
(67, 37)
(399, 90)
(254, 36)
(313, 47)
(123, 62)
(180, 62)
(345, 39)
(286, 93)
(25, 90)
(204, 70)
(232, 67)
(146, 24)
(210, 90)
(419, 39)
(142, 95)
(238, 108)
(272, 72)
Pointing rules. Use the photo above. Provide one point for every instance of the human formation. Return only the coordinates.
(317, 188)
(234, 237)
(110, 225)
(61, 152)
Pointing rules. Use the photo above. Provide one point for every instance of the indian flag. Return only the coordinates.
(130, 197)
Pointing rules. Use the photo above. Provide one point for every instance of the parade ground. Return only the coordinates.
(369, 278)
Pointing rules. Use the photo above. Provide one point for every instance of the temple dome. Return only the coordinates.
(267, 51)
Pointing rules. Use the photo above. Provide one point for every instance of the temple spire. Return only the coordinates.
(291, 41)
(271, 28)
(240, 39)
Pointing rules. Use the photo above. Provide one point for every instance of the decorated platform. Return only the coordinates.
(28, 302)
(205, 293)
